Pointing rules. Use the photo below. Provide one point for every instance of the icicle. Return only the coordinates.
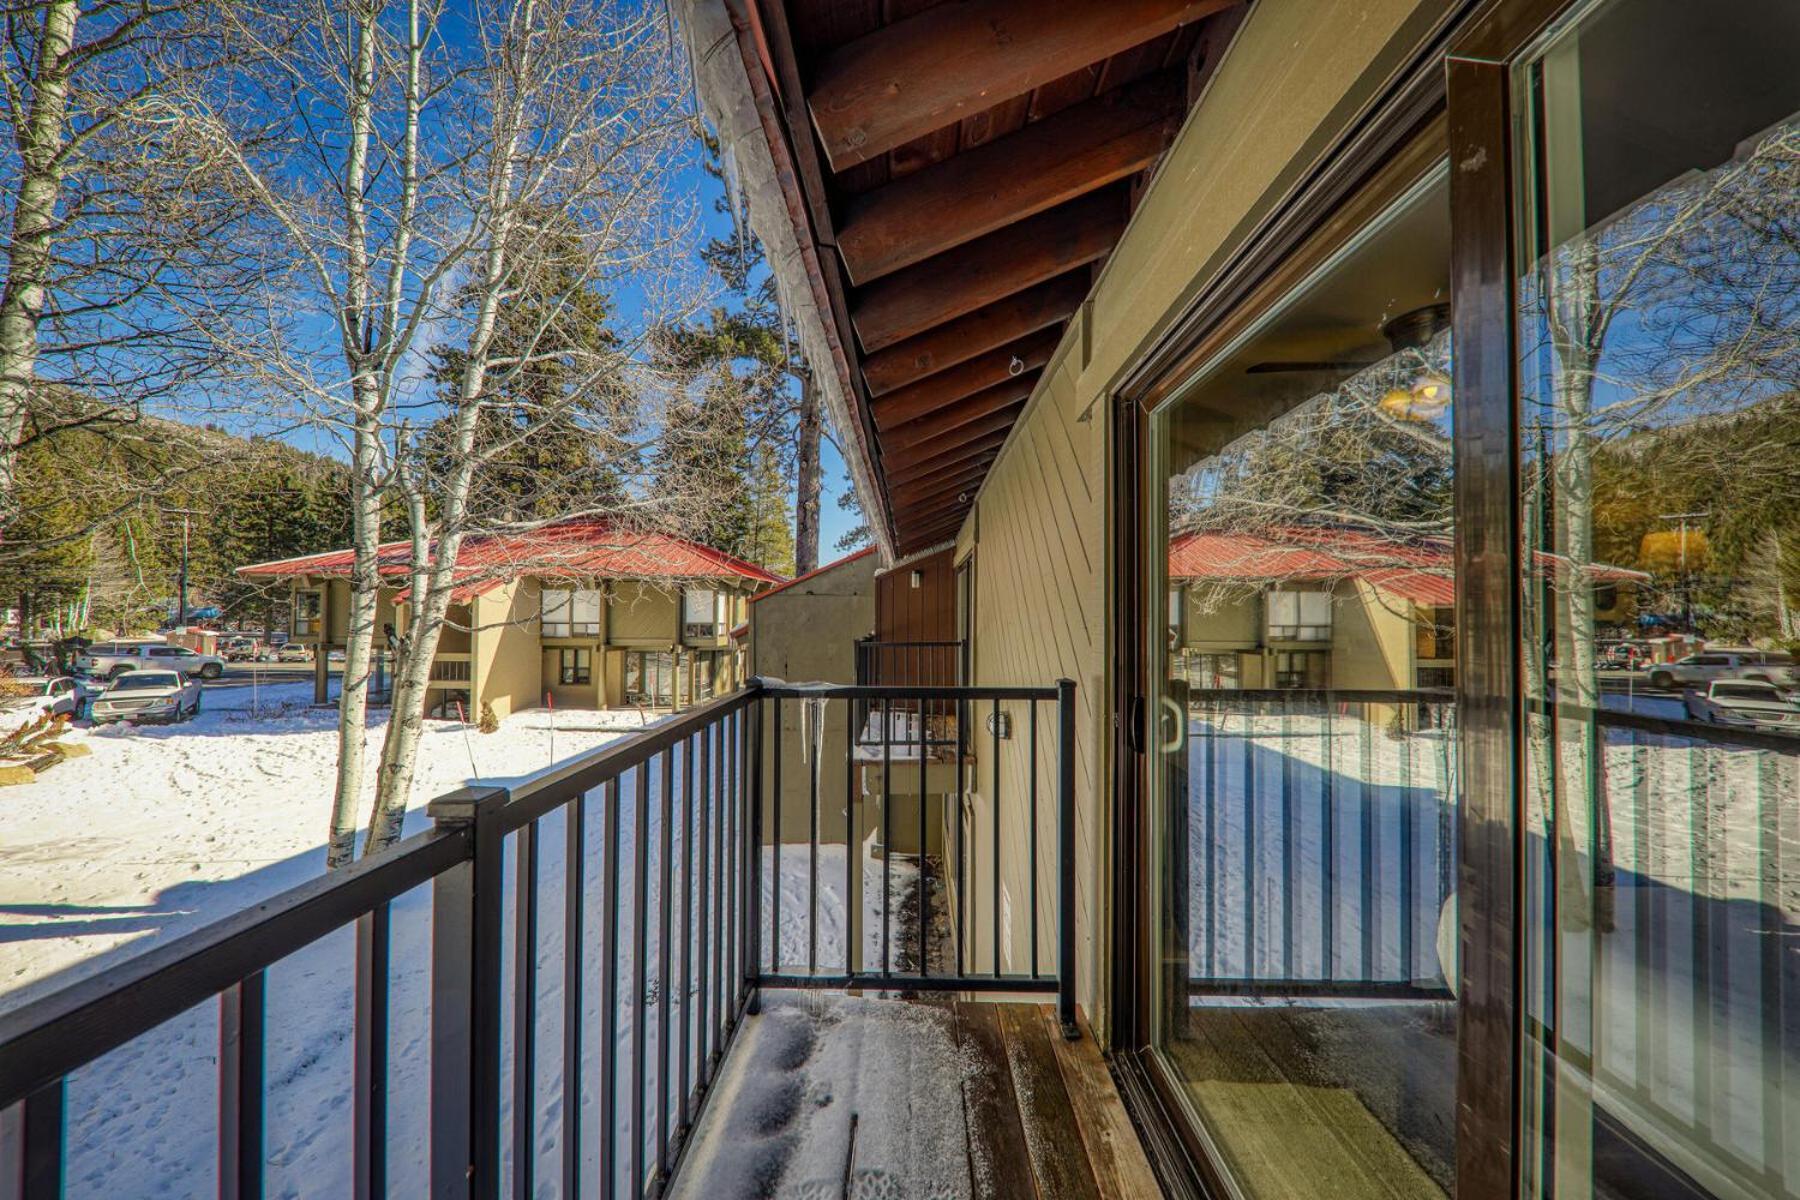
(734, 197)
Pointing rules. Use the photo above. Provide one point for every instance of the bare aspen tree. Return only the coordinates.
(577, 112)
(439, 194)
(108, 212)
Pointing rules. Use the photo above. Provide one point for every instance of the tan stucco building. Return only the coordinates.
(581, 615)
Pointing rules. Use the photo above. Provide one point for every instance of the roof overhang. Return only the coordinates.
(936, 194)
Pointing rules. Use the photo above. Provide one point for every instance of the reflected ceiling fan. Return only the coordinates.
(1428, 395)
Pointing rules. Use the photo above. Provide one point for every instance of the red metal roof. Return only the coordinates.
(1422, 570)
(577, 549)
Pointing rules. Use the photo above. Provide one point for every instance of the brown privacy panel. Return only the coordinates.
(926, 613)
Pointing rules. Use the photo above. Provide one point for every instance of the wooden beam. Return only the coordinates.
(951, 511)
(978, 191)
(938, 533)
(971, 408)
(940, 511)
(911, 456)
(939, 528)
(986, 447)
(960, 281)
(928, 71)
(948, 388)
(1045, 306)
(913, 494)
(976, 470)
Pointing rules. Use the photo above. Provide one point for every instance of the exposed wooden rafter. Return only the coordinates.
(950, 460)
(1041, 307)
(1042, 165)
(903, 81)
(984, 403)
(959, 281)
(949, 387)
(912, 456)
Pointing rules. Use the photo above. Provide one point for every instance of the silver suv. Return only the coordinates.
(1702, 667)
(113, 659)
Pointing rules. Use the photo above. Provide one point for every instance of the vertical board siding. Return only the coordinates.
(926, 613)
(1038, 618)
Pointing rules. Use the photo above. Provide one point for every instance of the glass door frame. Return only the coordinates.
(1461, 75)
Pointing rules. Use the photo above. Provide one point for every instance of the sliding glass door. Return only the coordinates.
(1658, 329)
(1302, 814)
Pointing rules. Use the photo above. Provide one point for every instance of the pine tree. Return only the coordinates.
(771, 536)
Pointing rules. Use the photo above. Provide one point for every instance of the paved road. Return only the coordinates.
(240, 674)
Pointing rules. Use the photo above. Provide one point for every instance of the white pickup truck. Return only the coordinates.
(109, 660)
(1744, 702)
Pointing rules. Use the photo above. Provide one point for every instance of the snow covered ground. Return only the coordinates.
(161, 830)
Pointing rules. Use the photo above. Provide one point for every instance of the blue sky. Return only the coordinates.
(705, 192)
(834, 522)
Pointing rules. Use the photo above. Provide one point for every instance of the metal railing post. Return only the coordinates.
(753, 886)
(1065, 850)
(466, 907)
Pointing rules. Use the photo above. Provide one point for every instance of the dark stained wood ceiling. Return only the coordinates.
(966, 166)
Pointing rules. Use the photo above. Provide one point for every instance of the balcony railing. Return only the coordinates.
(665, 852)
(914, 664)
(1317, 854)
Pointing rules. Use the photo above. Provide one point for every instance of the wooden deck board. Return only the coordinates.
(1058, 1157)
(1121, 1170)
(999, 1161)
(948, 1100)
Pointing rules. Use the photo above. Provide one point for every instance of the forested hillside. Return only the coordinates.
(98, 543)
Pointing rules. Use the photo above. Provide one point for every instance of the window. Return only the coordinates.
(1302, 668)
(702, 613)
(574, 666)
(650, 678)
(1657, 305)
(306, 613)
(1299, 616)
(571, 613)
(706, 671)
(1437, 677)
(1289, 479)
(1208, 672)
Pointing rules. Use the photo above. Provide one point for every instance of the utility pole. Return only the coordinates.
(181, 601)
(1687, 587)
(286, 489)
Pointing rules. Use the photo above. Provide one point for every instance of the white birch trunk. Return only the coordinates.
(365, 582)
(40, 143)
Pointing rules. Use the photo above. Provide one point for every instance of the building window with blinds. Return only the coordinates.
(571, 613)
(1299, 616)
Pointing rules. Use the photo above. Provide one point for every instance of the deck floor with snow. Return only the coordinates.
(827, 1096)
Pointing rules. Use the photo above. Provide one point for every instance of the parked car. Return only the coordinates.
(1702, 667)
(1744, 702)
(27, 698)
(147, 694)
(240, 649)
(113, 659)
(293, 652)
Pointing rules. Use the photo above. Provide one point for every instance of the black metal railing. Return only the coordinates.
(1683, 887)
(1318, 841)
(966, 766)
(661, 844)
(909, 664)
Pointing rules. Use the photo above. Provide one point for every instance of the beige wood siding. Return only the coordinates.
(1039, 527)
(508, 662)
(643, 614)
